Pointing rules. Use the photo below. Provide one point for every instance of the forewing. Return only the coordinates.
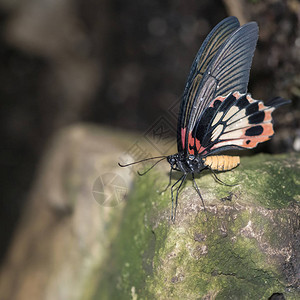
(228, 71)
(206, 53)
(235, 121)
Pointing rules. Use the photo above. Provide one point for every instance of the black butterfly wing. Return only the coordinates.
(206, 53)
(228, 71)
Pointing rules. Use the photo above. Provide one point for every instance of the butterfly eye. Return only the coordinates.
(171, 160)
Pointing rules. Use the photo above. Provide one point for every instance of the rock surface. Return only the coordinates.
(246, 246)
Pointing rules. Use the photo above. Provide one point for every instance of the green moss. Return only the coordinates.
(231, 265)
(272, 182)
(132, 253)
(224, 254)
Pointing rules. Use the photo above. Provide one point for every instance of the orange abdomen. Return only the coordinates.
(221, 162)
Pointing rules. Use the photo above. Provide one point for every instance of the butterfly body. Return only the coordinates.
(195, 164)
(221, 162)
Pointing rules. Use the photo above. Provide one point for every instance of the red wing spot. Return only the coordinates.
(268, 129)
(268, 116)
(251, 100)
(261, 106)
(183, 130)
(191, 144)
(237, 95)
(197, 144)
(252, 143)
(191, 141)
(220, 98)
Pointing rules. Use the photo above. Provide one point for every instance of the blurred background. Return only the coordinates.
(121, 64)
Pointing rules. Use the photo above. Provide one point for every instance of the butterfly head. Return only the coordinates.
(190, 164)
(172, 160)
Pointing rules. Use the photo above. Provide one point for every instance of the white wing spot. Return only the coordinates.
(217, 131)
(233, 135)
(242, 123)
(231, 112)
(217, 118)
(241, 114)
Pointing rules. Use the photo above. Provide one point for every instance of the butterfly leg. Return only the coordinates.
(181, 180)
(219, 180)
(176, 202)
(198, 191)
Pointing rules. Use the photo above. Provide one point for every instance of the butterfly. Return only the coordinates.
(216, 112)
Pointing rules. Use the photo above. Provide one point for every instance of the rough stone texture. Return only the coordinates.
(68, 246)
(246, 246)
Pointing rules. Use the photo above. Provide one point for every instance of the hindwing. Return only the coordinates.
(235, 121)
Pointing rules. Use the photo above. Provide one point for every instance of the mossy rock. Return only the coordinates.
(246, 245)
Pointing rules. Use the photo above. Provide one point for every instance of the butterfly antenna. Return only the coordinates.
(137, 162)
(217, 179)
(198, 191)
(141, 174)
